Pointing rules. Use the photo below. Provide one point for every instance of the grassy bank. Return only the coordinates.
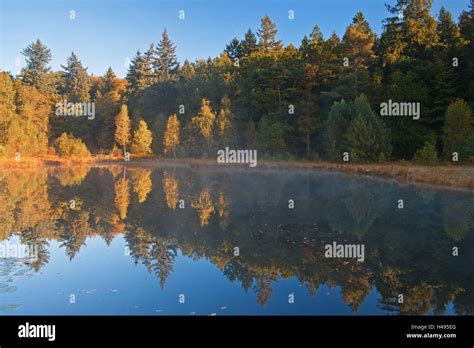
(41, 161)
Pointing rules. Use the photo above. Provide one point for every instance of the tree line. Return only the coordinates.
(318, 100)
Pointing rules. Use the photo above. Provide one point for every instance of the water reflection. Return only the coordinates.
(208, 214)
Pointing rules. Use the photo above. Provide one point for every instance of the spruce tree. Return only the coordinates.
(234, 49)
(38, 57)
(166, 62)
(248, 44)
(108, 79)
(76, 80)
(136, 75)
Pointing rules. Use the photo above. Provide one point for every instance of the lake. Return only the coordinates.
(181, 241)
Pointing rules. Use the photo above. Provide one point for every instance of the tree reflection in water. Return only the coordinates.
(408, 251)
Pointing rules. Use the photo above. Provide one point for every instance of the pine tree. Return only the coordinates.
(367, 139)
(148, 71)
(449, 33)
(166, 63)
(172, 137)
(142, 139)
(137, 74)
(234, 49)
(248, 44)
(357, 46)
(266, 34)
(38, 57)
(76, 80)
(409, 33)
(122, 128)
(447, 79)
(108, 83)
(358, 42)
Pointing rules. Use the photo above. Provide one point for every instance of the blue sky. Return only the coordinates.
(108, 32)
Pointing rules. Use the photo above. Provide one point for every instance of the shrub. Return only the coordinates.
(116, 152)
(69, 146)
(427, 154)
(367, 138)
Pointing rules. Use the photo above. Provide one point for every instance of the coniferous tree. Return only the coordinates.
(234, 49)
(38, 57)
(248, 44)
(266, 34)
(109, 79)
(148, 71)
(357, 47)
(166, 62)
(136, 75)
(76, 80)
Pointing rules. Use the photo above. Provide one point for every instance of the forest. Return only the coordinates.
(319, 101)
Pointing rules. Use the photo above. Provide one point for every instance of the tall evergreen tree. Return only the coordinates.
(37, 58)
(76, 80)
(248, 44)
(108, 79)
(166, 62)
(266, 34)
(234, 49)
(137, 74)
(148, 60)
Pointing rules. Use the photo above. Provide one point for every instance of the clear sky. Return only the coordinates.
(109, 32)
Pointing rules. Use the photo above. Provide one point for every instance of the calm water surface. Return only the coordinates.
(140, 241)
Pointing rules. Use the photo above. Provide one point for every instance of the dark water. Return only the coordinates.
(110, 241)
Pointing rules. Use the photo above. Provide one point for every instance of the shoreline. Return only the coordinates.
(443, 175)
